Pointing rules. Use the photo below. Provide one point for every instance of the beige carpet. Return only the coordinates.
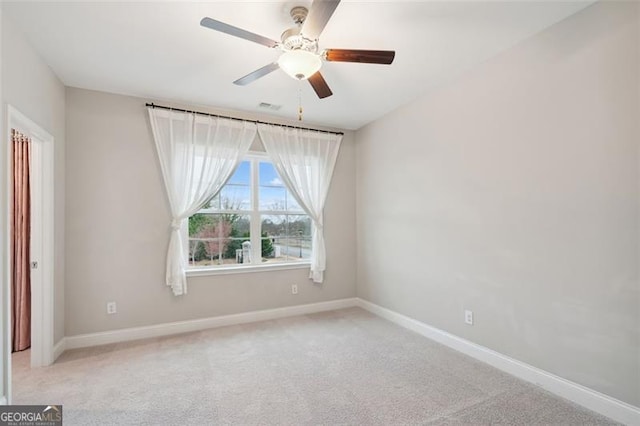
(340, 367)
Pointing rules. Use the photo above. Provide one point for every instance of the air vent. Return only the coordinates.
(267, 105)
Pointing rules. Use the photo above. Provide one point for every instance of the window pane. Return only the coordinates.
(274, 225)
(242, 174)
(277, 199)
(216, 239)
(219, 235)
(274, 195)
(241, 226)
(199, 222)
(292, 204)
(269, 176)
(274, 231)
(286, 238)
(238, 235)
(299, 225)
(235, 197)
(273, 199)
(196, 253)
(299, 232)
(214, 203)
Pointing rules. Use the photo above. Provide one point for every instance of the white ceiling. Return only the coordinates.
(159, 50)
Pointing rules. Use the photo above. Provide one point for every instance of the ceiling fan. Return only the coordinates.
(301, 57)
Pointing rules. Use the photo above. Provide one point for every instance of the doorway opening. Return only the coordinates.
(40, 259)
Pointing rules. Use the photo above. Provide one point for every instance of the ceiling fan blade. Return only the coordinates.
(237, 32)
(320, 85)
(319, 15)
(261, 72)
(384, 57)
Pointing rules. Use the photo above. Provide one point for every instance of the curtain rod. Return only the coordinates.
(152, 105)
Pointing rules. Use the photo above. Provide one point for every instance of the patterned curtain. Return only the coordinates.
(20, 243)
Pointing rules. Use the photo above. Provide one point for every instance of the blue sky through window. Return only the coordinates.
(242, 174)
(269, 176)
(273, 194)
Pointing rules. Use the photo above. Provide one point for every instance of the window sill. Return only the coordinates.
(202, 272)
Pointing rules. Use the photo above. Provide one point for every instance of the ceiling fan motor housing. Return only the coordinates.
(292, 38)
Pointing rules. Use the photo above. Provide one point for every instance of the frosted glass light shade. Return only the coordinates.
(299, 64)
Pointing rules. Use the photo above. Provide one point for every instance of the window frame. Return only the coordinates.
(255, 225)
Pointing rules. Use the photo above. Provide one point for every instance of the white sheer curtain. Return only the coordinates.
(305, 160)
(198, 154)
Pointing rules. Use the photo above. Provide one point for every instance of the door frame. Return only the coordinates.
(42, 196)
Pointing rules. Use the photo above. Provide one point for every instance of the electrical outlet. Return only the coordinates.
(468, 317)
(111, 308)
(294, 289)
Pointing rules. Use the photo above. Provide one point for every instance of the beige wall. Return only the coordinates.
(30, 86)
(513, 192)
(118, 230)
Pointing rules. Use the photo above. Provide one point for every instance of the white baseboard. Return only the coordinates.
(103, 338)
(59, 347)
(593, 400)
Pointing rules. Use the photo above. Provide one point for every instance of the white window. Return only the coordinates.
(254, 220)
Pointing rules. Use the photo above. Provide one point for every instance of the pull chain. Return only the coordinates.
(300, 100)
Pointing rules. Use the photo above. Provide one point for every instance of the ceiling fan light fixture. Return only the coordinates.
(299, 64)
(301, 58)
